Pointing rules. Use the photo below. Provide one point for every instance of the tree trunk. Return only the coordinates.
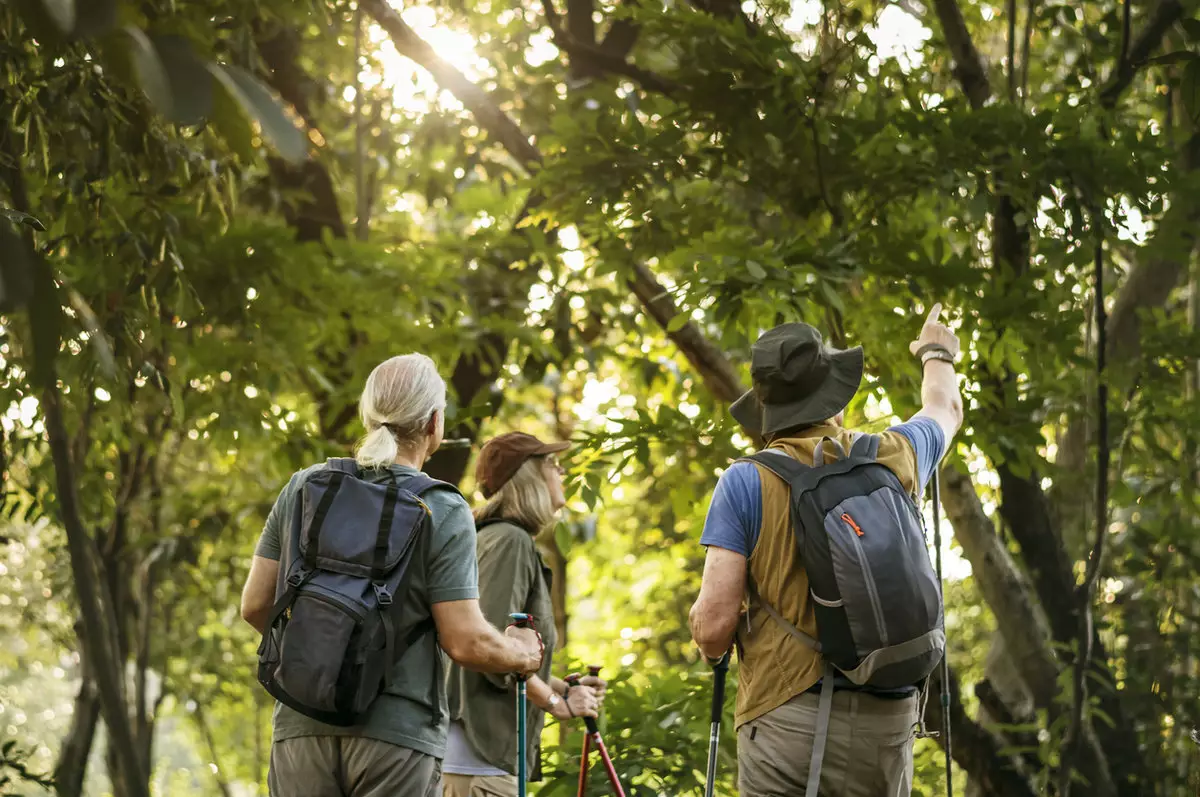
(97, 635)
(70, 771)
(210, 745)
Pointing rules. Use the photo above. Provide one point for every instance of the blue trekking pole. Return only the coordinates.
(521, 621)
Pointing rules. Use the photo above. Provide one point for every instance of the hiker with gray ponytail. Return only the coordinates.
(364, 574)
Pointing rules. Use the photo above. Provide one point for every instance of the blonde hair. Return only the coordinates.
(401, 396)
(524, 499)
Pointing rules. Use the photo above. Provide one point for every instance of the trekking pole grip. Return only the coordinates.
(573, 681)
(522, 620)
(720, 668)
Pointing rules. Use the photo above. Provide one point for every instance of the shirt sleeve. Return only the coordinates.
(270, 542)
(928, 442)
(507, 569)
(735, 515)
(453, 574)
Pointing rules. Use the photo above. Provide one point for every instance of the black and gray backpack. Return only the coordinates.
(330, 644)
(877, 600)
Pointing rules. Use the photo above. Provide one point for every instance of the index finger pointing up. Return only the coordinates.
(934, 312)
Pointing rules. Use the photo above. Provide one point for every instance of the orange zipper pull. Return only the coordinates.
(853, 525)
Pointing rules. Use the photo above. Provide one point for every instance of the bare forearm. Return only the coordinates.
(539, 692)
(484, 649)
(940, 398)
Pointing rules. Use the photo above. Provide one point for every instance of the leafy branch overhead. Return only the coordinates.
(183, 86)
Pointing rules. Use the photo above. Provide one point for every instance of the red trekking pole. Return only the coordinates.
(593, 736)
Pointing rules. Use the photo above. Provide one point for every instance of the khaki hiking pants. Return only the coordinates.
(350, 766)
(479, 785)
(869, 751)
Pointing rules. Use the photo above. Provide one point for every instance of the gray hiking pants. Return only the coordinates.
(351, 766)
(868, 753)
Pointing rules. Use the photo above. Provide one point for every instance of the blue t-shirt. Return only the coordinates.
(735, 515)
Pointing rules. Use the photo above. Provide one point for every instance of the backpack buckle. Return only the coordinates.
(296, 579)
(382, 594)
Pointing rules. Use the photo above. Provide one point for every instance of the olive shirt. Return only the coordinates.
(512, 578)
(443, 569)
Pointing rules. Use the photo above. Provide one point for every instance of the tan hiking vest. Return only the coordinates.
(774, 667)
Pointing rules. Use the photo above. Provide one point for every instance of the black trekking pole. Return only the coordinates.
(720, 668)
(945, 690)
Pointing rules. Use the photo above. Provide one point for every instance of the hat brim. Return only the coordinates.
(551, 448)
(845, 376)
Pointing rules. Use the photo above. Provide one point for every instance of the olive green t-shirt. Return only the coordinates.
(443, 569)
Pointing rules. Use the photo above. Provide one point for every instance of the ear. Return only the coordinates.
(432, 426)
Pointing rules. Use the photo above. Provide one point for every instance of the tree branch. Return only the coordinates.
(622, 35)
(1148, 285)
(1003, 586)
(584, 54)
(976, 749)
(714, 368)
(969, 67)
(475, 99)
(1164, 15)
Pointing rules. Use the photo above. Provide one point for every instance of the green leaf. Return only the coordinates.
(148, 69)
(231, 123)
(17, 217)
(678, 322)
(190, 83)
(756, 270)
(96, 336)
(1189, 89)
(262, 106)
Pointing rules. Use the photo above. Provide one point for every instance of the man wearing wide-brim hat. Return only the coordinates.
(801, 387)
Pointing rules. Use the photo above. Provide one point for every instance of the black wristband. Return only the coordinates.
(934, 347)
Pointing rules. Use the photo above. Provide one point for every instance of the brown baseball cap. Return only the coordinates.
(501, 458)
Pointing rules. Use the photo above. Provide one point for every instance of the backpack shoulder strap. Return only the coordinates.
(421, 484)
(866, 446)
(778, 462)
(347, 465)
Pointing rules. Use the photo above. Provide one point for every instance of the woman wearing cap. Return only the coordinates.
(522, 481)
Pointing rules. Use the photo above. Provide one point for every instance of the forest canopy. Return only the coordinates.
(218, 216)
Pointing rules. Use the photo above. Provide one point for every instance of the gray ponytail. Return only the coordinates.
(401, 396)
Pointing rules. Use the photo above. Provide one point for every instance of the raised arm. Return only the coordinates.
(941, 401)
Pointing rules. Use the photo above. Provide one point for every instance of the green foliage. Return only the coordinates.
(798, 170)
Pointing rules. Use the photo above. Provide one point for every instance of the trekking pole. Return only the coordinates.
(718, 707)
(945, 691)
(521, 621)
(593, 737)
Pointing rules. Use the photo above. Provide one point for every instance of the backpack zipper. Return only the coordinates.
(876, 606)
(846, 517)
